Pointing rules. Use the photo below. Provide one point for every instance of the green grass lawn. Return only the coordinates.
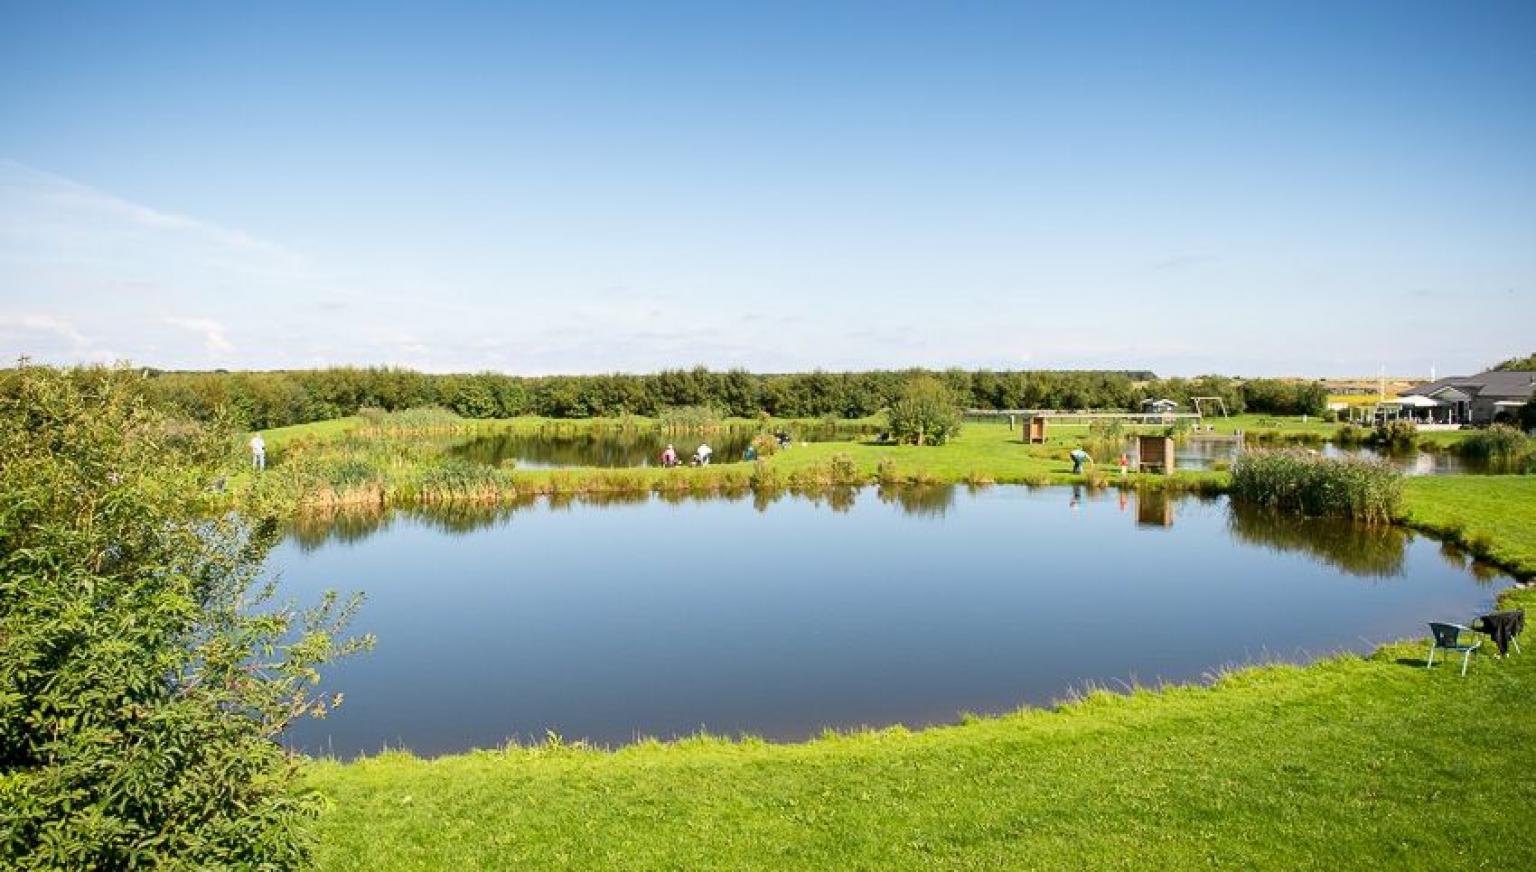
(313, 468)
(1493, 515)
(278, 438)
(1351, 762)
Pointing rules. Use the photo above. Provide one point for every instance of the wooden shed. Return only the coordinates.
(1036, 434)
(1154, 453)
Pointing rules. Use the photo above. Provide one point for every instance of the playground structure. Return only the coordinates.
(1207, 401)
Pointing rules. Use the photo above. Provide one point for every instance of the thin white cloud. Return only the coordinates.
(215, 340)
(44, 324)
(45, 192)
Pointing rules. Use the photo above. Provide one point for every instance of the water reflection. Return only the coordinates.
(931, 501)
(1206, 452)
(560, 448)
(778, 614)
(1154, 509)
(1369, 551)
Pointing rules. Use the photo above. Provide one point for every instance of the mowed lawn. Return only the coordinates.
(1496, 513)
(1366, 763)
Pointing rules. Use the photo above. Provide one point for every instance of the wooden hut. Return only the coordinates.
(1154, 452)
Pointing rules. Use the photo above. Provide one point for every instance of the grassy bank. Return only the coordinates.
(348, 463)
(1348, 763)
(402, 460)
(1492, 516)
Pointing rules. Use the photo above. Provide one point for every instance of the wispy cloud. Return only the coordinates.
(45, 324)
(215, 341)
(29, 192)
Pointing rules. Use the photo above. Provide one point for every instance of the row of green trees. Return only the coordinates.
(272, 399)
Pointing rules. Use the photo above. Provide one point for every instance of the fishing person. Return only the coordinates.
(1079, 457)
(258, 452)
(669, 456)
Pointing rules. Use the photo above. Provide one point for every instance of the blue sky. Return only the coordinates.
(1282, 188)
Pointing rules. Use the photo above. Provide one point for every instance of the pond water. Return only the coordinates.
(1200, 453)
(779, 617)
(616, 449)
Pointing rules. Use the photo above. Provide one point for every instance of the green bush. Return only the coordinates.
(926, 413)
(1301, 481)
(1349, 434)
(1397, 434)
(766, 444)
(144, 674)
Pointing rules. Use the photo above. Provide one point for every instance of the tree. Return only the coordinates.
(925, 414)
(145, 674)
(1528, 417)
(1519, 364)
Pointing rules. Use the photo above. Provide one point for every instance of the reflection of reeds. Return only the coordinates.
(1373, 550)
(887, 472)
(920, 500)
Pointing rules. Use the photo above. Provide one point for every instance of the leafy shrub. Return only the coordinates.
(1397, 434)
(1301, 481)
(926, 414)
(844, 469)
(765, 476)
(1349, 434)
(766, 444)
(142, 683)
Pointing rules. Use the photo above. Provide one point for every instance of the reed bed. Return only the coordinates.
(1505, 448)
(1310, 484)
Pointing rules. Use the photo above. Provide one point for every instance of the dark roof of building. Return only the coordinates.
(1513, 384)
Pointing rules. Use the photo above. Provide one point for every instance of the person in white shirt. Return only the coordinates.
(258, 452)
(703, 454)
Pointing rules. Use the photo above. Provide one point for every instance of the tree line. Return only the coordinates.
(261, 400)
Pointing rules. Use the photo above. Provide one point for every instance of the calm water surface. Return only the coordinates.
(778, 618)
(1207, 453)
(623, 448)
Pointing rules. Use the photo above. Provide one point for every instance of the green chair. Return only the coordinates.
(1448, 638)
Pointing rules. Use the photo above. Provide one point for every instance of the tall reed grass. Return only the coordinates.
(1505, 448)
(1300, 481)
